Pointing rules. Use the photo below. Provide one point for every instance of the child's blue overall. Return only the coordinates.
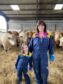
(22, 68)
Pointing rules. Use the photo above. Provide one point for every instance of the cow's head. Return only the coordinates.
(23, 36)
(12, 39)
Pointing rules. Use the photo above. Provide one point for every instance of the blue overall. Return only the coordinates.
(22, 67)
(39, 47)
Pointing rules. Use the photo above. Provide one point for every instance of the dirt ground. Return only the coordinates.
(8, 72)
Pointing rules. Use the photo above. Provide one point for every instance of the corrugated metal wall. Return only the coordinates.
(18, 25)
(21, 25)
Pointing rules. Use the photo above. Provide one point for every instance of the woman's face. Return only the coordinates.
(41, 28)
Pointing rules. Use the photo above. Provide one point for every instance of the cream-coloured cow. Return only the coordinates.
(57, 38)
(23, 36)
(7, 40)
(61, 42)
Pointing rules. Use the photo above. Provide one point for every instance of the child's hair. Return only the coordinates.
(24, 41)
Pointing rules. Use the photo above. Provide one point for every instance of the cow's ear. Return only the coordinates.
(9, 32)
(9, 38)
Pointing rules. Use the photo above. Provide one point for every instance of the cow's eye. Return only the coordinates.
(21, 36)
(9, 38)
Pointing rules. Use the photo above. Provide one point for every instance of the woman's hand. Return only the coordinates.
(52, 57)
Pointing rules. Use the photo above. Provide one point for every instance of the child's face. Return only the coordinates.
(25, 49)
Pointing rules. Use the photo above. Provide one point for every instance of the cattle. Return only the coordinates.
(61, 42)
(7, 40)
(23, 36)
(57, 38)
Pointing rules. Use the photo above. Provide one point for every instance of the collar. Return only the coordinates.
(30, 54)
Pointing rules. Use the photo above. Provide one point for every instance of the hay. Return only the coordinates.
(8, 72)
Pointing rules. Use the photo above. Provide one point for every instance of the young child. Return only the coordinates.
(22, 64)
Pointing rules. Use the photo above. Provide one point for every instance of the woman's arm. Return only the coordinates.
(51, 48)
(31, 45)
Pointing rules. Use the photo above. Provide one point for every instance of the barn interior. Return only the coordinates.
(23, 15)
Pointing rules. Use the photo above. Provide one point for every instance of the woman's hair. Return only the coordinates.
(41, 22)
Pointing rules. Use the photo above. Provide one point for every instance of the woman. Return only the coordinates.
(40, 46)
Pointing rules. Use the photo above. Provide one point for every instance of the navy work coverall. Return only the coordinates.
(40, 47)
(22, 67)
